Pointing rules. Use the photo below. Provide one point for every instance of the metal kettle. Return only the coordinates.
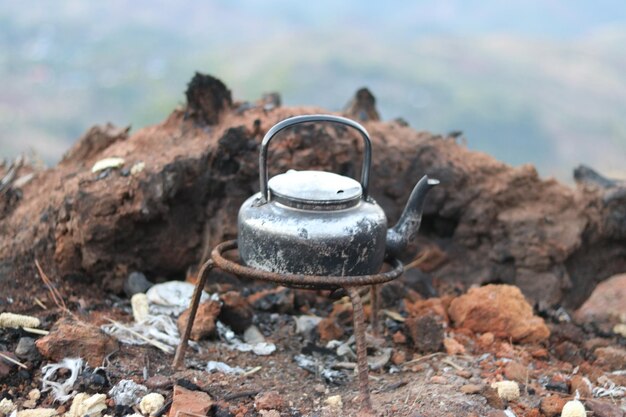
(321, 223)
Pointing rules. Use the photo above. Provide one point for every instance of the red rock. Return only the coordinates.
(552, 405)
(602, 408)
(329, 329)
(399, 338)
(517, 372)
(438, 379)
(540, 353)
(76, 339)
(236, 312)
(578, 384)
(398, 357)
(607, 303)
(453, 347)
(269, 400)
(470, 389)
(500, 309)
(426, 333)
(187, 401)
(204, 323)
(486, 339)
(432, 307)
(610, 358)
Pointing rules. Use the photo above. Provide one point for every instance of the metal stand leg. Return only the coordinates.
(375, 296)
(361, 349)
(179, 358)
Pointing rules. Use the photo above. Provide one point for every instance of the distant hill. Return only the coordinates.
(526, 82)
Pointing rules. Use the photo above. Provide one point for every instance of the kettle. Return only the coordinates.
(322, 223)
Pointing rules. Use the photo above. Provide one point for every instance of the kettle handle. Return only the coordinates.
(367, 152)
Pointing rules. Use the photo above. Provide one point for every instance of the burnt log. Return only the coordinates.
(183, 180)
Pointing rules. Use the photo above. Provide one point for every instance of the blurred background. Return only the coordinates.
(540, 81)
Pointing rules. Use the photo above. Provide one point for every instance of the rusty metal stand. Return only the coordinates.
(314, 282)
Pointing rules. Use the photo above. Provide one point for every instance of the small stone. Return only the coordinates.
(127, 393)
(274, 300)
(187, 401)
(269, 400)
(601, 408)
(236, 313)
(620, 329)
(470, 389)
(76, 339)
(568, 352)
(552, 405)
(399, 338)
(515, 371)
(438, 379)
(398, 357)
(140, 306)
(84, 405)
(453, 347)
(269, 413)
(610, 358)
(329, 329)
(486, 339)
(6, 406)
(33, 396)
(426, 333)
(558, 383)
(540, 353)
(492, 397)
(507, 390)
(204, 324)
(157, 382)
(500, 309)
(334, 402)
(573, 409)
(151, 403)
(107, 163)
(26, 349)
(136, 283)
(581, 385)
(464, 373)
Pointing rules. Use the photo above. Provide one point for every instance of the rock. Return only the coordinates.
(399, 338)
(601, 408)
(329, 330)
(334, 402)
(6, 406)
(127, 393)
(492, 397)
(26, 349)
(236, 312)
(568, 352)
(470, 389)
(207, 99)
(398, 357)
(558, 383)
(552, 405)
(84, 405)
(501, 310)
(136, 283)
(507, 390)
(580, 386)
(76, 339)
(453, 347)
(517, 372)
(432, 307)
(438, 379)
(610, 358)
(187, 401)
(253, 335)
(620, 329)
(362, 107)
(158, 382)
(274, 300)
(269, 400)
(151, 403)
(204, 324)
(607, 302)
(140, 306)
(573, 409)
(426, 333)
(269, 413)
(485, 340)
(33, 397)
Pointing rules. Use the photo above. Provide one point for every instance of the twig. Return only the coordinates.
(36, 331)
(13, 361)
(236, 395)
(422, 358)
(54, 292)
(417, 261)
(163, 409)
(452, 364)
(40, 303)
(162, 346)
(252, 371)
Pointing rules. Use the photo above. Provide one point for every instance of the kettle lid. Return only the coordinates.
(315, 190)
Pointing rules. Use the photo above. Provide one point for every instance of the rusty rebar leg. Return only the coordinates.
(374, 319)
(179, 358)
(361, 348)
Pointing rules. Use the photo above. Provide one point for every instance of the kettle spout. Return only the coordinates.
(404, 232)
